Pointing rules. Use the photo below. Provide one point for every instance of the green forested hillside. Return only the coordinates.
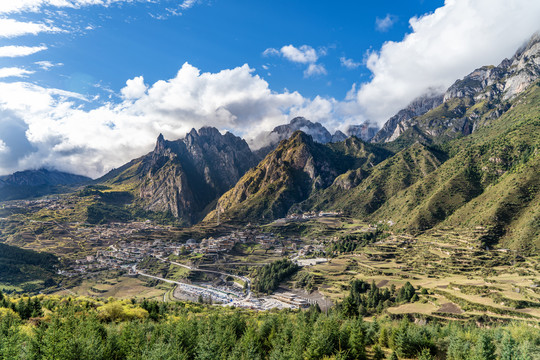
(24, 268)
(491, 180)
(360, 193)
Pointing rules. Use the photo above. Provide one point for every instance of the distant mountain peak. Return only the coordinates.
(267, 141)
(184, 176)
(468, 103)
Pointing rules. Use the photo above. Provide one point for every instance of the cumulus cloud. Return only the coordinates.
(14, 72)
(385, 23)
(16, 51)
(135, 88)
(60, 133)
(10, 28)
(349, 63)
(315, 69)
(443, 46)
(305, 54)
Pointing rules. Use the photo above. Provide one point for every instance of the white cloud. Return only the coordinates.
(46, 65)
(135, 88)
(271, 52)
(52, 128)
(14, 72)
(304, 55)
(446, 45)
(15, 50)
(12, 28)
(17, 6)
(315, 69)
(385, 23)
(187, 4)
(3, 147)
(349, 63)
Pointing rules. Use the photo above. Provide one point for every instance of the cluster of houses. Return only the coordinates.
(226, 243)
(308, 216)
(125, 254)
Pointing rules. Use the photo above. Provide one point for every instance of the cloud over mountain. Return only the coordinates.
(60, 133)
(443, 46)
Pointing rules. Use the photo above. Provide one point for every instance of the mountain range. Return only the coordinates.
(467, 158)
(34, 183)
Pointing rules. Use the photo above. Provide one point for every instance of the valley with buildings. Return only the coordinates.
(381, 200)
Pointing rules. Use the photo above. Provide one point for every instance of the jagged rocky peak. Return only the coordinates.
(316, 130)
(507, 79)
(365, 131)
(339, 136)
(456, 114)
(160, 144)
(184, 176)
(419, 106)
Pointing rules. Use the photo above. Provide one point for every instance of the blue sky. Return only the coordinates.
(128, 40)
(87, 85)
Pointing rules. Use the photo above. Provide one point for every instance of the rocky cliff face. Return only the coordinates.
(267, 142)
(297, 168)
(399, 122)
(185, 176)
(473, 101)
(365, 131)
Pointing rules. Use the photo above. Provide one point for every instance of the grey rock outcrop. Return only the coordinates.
(399, 122)
(470, 102)
(185, 176)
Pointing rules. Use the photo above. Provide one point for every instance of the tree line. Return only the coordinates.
(83, 328)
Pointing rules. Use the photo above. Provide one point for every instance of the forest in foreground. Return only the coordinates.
(53, 327)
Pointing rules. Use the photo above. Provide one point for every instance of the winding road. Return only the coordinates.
(191, 268)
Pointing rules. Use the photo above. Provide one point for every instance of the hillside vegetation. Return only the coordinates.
(50, 327)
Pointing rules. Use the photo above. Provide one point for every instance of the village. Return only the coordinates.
(128, 255)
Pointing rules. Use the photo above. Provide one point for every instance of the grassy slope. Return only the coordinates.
(492, 180)
(380, 183)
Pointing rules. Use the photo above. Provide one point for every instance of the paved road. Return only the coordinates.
(216, 294)
(243, 278)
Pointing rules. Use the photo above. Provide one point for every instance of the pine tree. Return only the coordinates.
(508, 348)
(485, 349)
(425, 354)
(379, 354)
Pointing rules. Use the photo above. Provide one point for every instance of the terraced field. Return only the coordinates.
(456, 278)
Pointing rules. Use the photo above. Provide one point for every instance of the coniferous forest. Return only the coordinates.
(52, 327)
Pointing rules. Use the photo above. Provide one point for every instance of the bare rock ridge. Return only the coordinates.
(268, 141)
(186, 175)
(470, 102)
